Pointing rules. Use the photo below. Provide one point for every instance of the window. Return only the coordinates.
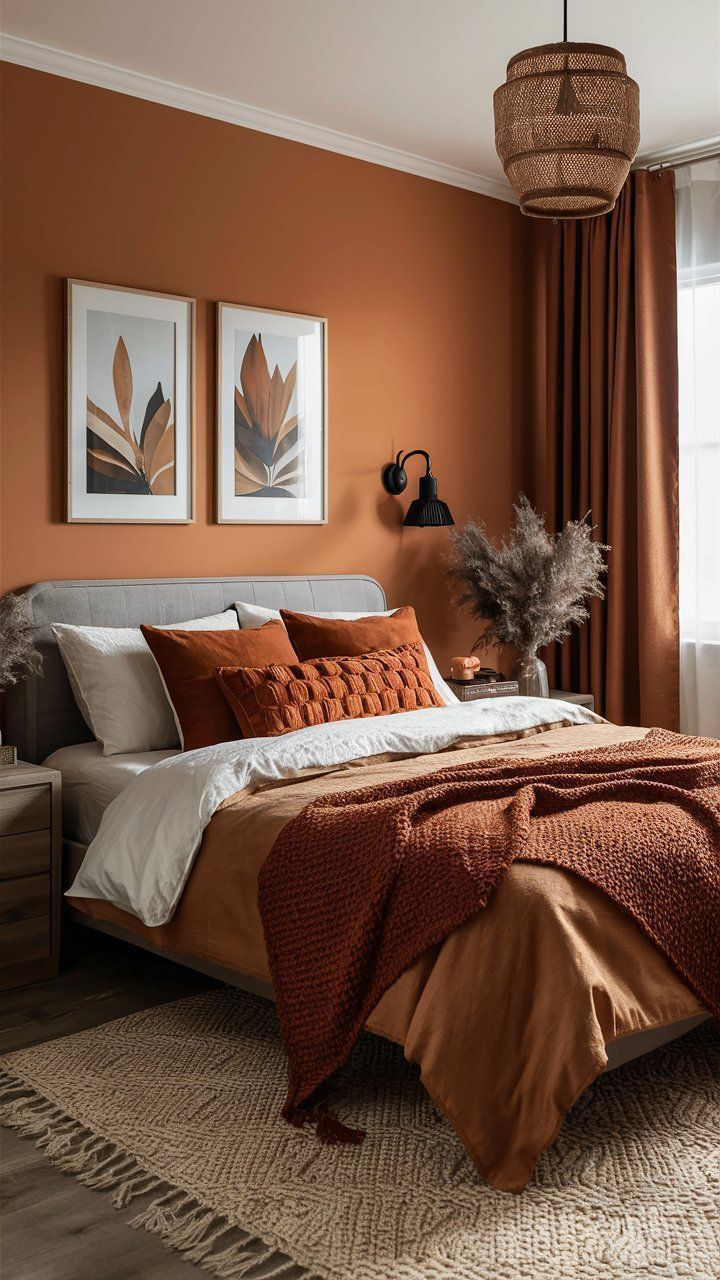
(698, 251)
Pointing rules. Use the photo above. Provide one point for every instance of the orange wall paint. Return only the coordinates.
(423, 286)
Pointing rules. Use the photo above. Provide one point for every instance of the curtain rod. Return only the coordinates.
(680, 164)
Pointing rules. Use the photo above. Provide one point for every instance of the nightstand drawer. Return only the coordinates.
(24, 809)
(24, 940)
(28, 854)
(23, 898)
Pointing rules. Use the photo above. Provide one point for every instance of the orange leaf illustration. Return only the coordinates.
(164, 456)
(154, 434)
(164, 482)
(107, 465)
(123, 383)
(103, 426)
(255, 379)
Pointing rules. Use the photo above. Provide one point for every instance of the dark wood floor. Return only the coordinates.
(52, 1227)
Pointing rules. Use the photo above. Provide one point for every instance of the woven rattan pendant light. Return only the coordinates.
(567, 127)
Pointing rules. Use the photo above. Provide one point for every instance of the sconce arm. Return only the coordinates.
(394, 474)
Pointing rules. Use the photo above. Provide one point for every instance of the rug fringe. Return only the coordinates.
(193, 1230)
(177, 1217)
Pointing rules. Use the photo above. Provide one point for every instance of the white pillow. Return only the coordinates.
(254, 615)
(117, 685)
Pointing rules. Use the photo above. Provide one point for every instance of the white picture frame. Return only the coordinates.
(129, 405)
(271, 457)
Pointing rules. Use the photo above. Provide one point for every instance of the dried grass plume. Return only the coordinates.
(19, 657)
(533, 587)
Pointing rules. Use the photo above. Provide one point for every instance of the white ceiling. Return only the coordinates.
(414, 75)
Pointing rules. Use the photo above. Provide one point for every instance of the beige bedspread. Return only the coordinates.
(509, 1017)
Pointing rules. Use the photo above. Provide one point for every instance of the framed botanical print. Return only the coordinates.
(129, 405)
(272, 417)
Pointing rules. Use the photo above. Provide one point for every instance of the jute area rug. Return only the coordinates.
(177, 1107)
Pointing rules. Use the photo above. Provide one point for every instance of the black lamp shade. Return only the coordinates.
(427, 510)
(425, 514)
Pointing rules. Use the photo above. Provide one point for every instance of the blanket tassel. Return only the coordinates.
(328, 1128)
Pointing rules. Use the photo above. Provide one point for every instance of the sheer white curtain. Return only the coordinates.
(698, 257)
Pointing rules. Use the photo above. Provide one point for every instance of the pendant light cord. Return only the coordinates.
(565, 21)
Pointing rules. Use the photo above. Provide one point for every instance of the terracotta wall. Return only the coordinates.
(423, 285)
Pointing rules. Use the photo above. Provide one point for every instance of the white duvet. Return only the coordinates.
(142, 855)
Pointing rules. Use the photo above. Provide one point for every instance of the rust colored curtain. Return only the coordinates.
(607, 440)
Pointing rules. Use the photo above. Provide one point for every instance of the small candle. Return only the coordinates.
(463, 668)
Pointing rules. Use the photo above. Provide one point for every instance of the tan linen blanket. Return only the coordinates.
(509, 1017)
(360, 883)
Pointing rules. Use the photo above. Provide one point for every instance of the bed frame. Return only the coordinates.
(42, 714)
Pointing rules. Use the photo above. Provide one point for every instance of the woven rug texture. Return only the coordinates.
(177, 1107)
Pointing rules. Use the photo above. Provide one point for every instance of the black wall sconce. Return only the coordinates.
(427, 509)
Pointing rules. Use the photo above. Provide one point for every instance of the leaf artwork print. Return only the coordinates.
(266, 432)
(121, 458)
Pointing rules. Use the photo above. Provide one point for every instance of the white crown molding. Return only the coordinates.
(58, 62)
(685, 153)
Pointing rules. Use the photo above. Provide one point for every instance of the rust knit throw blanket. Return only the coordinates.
(359, 884)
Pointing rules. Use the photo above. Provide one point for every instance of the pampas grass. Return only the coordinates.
(18, 656)
(533, 587)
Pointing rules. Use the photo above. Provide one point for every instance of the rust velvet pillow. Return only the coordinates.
(313, 637)
(272, 700)
(187, 661)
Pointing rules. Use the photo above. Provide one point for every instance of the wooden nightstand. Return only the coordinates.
(580, 699)
(30, 823)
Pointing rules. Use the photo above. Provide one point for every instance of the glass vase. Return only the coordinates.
(532, 677)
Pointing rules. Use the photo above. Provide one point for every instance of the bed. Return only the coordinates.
(531, 1048)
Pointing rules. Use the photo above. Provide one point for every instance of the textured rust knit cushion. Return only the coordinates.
(272, 700)
(412, 860)
(327, 637)
(188, 660)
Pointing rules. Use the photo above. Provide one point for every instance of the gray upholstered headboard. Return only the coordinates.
(42, 714)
